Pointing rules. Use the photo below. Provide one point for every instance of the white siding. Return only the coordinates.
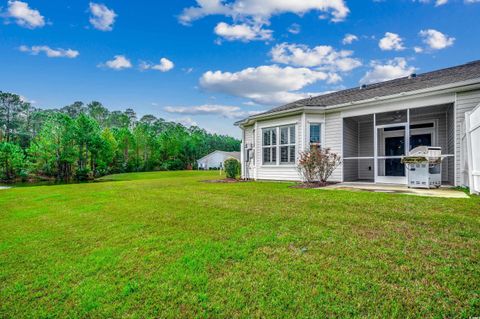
(466, 101)
(213, 160)
(350, 149)
(278, 172)
(333, 139)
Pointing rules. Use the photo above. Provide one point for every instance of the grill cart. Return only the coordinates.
(424, 166)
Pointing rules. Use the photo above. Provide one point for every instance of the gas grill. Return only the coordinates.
(424, 166)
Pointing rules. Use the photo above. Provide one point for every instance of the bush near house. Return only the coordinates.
(232, 168)
(317, 164)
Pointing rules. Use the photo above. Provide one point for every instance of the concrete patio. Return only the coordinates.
(444, 191)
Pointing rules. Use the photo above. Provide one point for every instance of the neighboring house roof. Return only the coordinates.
(227, 154)
(464, 72)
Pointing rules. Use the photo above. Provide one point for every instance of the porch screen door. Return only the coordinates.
(391, 148)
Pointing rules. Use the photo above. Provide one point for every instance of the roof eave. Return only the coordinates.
(251, 119)
(447, 88)
(469, 84)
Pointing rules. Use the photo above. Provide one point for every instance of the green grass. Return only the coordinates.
(165, 245)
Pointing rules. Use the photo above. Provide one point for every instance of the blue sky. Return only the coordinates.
(212, 62)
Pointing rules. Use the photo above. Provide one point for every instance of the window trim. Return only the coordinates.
(277, 162)
(289, 144)
(274, 147)
(322, 134)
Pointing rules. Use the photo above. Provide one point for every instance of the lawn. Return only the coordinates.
(166, 245)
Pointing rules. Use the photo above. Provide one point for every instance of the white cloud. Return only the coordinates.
(230, 112)
(165, 65)
(436, 40)
(295, 28)
(49, 52)
(442, 2)
(102, 18)
(437, 2)
(323, 57)
(119, 62)
(391, 41)
(393, 69)
(262, 10)
(264, 84)
(187, 70)
(418, 49)
(243, 32)
(349, 38)
(24, 16)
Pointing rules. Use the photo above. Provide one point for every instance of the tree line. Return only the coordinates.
(83, 141)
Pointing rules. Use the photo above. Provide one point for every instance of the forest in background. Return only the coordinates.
(83, 141)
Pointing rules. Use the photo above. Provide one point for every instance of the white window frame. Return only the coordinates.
(276, 147)
(322, 134)
(289, 144)
(273, 147)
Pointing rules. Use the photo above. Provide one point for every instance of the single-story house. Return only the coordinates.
(372, 127)
(215, 159)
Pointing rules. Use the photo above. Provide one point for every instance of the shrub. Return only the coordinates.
(318, 164)
(175, 164)
(232, 167)
(83, 174)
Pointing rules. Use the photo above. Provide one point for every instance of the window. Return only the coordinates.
(315, 134)
(278, 145)
(287, 144)
(269, 145)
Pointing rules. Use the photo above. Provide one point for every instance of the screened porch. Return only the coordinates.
(374, 144)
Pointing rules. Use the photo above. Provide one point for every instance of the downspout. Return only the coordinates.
(455, 142)
(242, 155)
(255, 167)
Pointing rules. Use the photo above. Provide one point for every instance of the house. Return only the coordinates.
(215, 159)
(372, 127)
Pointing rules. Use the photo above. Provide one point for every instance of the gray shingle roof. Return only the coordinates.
(427, 80)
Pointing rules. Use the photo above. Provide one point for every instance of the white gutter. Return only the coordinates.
(447, 88)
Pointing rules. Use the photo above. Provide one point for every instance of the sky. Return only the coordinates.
(212, 62)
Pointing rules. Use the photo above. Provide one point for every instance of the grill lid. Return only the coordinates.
(424, 154)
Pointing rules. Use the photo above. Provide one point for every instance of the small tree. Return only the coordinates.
(318, 164)
(12, 160)
(232, 167)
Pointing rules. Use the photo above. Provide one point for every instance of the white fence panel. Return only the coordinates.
(464, 156)
(473, 140)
